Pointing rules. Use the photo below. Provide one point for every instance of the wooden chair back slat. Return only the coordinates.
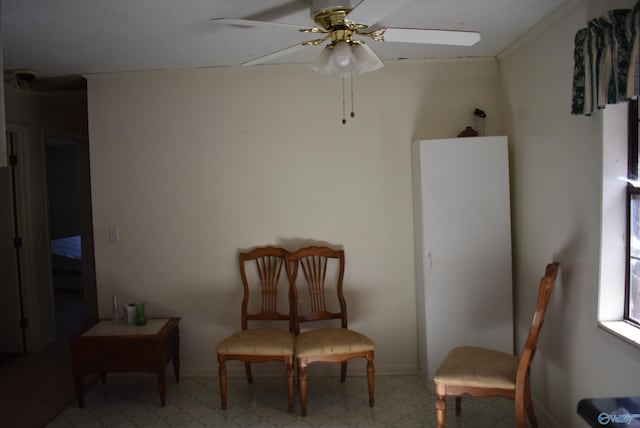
(269, 269)
(315, 274)
(314, 264)
(268, 263)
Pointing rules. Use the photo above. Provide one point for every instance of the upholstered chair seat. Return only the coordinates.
(478, 367)
(257, 342)
(330, 341)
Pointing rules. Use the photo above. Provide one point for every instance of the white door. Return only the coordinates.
(466, 246)
(11, 340)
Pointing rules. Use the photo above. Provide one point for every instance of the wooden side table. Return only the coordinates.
(108, 347)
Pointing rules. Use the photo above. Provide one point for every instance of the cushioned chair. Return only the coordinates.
(482, 372)
(322, 274)
(260, 344)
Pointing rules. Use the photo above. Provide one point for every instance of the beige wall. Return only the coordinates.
(194, 165)
(556, 183)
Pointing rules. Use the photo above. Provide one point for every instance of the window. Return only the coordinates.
(615, 297)
(632, 283)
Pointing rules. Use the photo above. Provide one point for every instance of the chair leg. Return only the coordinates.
(441, 406)
(458, 405)
(222, 375)
(343, 371)
(302, 387)
(247, 369)
(370, 379)
(290, 383)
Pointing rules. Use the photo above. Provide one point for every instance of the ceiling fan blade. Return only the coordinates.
(276, 12)
(253, 23)
(433, 37)
(277, 54)
(370, 12)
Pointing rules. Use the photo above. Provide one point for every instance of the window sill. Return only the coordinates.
(624, 330)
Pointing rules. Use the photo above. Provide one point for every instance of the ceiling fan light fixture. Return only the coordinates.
(365, 59)
(323, 63)
(344, 58)
(335, 59)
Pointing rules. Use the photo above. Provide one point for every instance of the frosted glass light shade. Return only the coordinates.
(323, 62)
(343, 59)
(365, 59)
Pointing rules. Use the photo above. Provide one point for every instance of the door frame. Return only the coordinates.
(13, 302)
(32, 210)
(37, 292)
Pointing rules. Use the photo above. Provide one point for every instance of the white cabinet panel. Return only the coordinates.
(463, 246)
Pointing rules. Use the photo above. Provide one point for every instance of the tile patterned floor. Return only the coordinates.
(401, 401)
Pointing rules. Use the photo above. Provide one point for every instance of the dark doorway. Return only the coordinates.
(70, 232)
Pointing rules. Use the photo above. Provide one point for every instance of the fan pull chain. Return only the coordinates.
(344, 115)
(344, 97)
(353, 114)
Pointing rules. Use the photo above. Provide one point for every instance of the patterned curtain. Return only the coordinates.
(606, 59)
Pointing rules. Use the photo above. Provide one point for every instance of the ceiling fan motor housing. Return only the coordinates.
(320, 5)
(330, 14)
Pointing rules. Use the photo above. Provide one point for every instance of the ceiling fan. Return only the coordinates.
(346, 28)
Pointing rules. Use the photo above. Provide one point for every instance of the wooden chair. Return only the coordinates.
(260, 344)
(482, 372)
(325, 344)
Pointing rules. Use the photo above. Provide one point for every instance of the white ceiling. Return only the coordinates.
(60, 37)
